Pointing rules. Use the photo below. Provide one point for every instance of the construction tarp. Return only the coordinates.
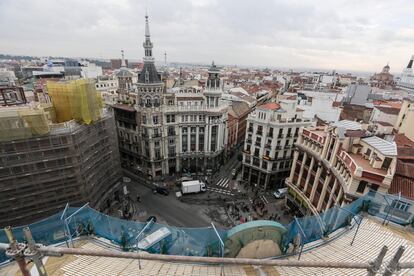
(22, 123)
(77, 99)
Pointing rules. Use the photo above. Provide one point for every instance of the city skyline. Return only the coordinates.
(274, 34)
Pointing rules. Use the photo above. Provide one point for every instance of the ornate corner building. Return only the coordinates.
(336, 164)
(174, 131)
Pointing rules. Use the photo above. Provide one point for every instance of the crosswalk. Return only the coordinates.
(220, 191)
(223, 182)
(264, 199)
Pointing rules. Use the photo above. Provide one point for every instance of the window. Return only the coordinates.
(171, 131)
(400, 205)
(259, 130)
(361, 187)
(374, 187)
(386, 164)
(270, 134)
(157, 154)
(155, 119)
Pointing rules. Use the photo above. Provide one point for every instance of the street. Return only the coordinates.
(167, 208)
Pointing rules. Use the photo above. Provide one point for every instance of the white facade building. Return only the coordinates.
(321, 104)
(272, 131)
(108, 87)
(406, 81)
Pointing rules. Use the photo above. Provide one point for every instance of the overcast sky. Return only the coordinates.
(334, 34)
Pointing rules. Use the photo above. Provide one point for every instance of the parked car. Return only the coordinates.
(280, 193)
(160, 190)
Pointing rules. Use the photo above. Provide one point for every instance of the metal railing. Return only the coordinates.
(35, 252)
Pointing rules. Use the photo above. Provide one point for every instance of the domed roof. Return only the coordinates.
(124, 72)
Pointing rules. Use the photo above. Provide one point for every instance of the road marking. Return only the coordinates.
(225, 183)
(264, 199)
(219, 182)
(220, 191)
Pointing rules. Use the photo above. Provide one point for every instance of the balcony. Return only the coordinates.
(361, 167)
(278, 147)
(270, 135)
(171, 133)
(280, 136)
(246, 151)
(195, 108)
(268, 158)
(156, 135)
(317, 136)
(249, 140)
(289, 135)
(258, 144)
(250, 129)
(268, 146)
(259, 133)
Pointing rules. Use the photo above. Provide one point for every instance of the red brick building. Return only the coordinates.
(236, 125)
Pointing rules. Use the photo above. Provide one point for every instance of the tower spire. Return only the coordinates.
(165, 58)
(123, 64)
(147, 32)
(147, 44)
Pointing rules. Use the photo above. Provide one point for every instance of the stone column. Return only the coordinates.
(197, 133)
(340, 194)
(292, 170)
(309, 175)
(266, 181)
(323, 193)
(305, 157)
(316, 182)
(336, 147)
(332, 194)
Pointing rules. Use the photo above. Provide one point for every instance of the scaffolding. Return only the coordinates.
(25, 122)
(77, 99)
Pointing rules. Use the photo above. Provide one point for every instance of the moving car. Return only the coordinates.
(160, 190)
(280, 193)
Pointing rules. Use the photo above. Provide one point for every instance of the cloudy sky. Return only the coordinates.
(342, 34)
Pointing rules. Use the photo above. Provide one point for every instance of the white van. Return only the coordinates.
(280, 193)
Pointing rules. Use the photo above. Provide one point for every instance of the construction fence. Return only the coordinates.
(198, 241)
